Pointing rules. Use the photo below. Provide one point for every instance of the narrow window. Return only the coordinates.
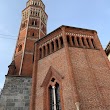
(54, 97)
(52, 44)
(32, 22)
(93, 43)
(83, 41)
(32, 34)
(36, 13)
(57, 43)
(35, 22)
(19, 48)
(61, 40)
(68, 41)
(51, 98)
(31, 12)
(40, 53)
(57, 93)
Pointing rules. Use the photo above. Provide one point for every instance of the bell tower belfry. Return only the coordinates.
(33, 27)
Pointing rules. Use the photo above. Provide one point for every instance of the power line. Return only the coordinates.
(10, 36)
(7, 35)
(7, 38)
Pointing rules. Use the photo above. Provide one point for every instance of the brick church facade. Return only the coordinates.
(66, 69)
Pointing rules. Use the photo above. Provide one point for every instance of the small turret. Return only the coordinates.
(12, 68)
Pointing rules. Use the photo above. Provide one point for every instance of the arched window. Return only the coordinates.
(32, 34)
(61, 40)
(32, 22)
(19, 48)
(40, 53)
(93, 43)
(83, 41)
(68, 40)
(31, 12)
(35, 22)
(57, 92)
(54, 96)
(57, 46)
(52, 44)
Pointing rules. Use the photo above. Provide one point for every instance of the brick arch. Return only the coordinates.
(51, 74)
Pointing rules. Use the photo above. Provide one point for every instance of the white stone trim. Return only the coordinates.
(80, 35)
(31, 53)
(56, 37)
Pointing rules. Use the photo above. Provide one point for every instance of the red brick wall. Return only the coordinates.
(30, 45)
(18, 63)
(27, 65)
(85, 69)
(58, 61)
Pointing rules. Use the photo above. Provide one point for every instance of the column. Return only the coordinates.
(42, 52)
(59, 43)
(71, 42)
(46, 50)
(80, 41)
(54, 96)
(50, 47)
(90, 42)
(55, 47)
(85, 41)
(75, 41)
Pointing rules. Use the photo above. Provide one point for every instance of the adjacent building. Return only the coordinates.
(107, 50)
(66, 69)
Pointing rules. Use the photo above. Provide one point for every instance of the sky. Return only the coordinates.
(90, 14)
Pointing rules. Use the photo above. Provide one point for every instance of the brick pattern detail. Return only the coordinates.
(27, 64)
(33, 33)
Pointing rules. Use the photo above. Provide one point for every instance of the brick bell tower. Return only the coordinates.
(16, 92)
(33, 27)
